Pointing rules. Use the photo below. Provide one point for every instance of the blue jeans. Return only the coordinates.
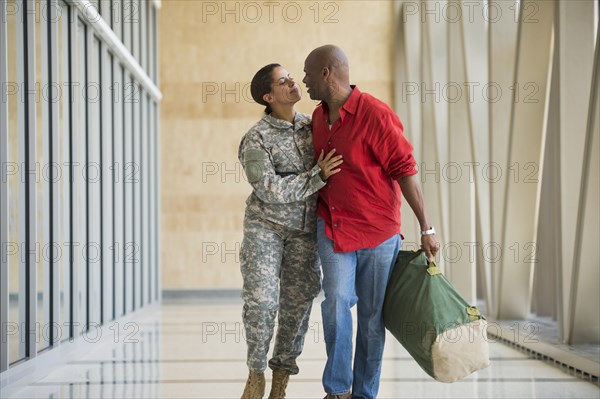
(350, 278)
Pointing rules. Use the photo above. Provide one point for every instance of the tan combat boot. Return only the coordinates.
(280, 381)
(255, 386)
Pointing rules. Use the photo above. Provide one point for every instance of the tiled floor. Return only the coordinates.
(183, 350)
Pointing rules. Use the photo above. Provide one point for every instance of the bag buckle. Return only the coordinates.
(473, 313)
(433, 269)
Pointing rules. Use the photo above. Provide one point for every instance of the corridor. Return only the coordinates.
(124, 192)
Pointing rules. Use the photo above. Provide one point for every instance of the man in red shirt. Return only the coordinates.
(358, 226)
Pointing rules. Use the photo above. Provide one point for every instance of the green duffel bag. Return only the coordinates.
(440, 330)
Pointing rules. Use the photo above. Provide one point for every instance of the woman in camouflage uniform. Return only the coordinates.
(279, 262)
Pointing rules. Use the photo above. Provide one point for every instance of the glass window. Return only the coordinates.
(150, 204)
(155, 196)
(119, 193)
(127, 16)
(144, 36)
(93, 190)
(116, 17)
(144, 6)
(107, 184)
(135, 29)
(63, 159)
(107, 9)
(15, 248)
(79, 142)
(150, 40)
(128, 176)
(137, 194)
(41, 244)
(143, 184)
(93, 174)
(154, 45)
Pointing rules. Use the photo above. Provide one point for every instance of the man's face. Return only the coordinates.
(313, 79)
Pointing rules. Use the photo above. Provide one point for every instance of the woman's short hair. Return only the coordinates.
(261, 85)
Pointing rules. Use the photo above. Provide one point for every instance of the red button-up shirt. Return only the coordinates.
(361, 204)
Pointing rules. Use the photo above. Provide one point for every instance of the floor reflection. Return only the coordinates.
(197, 350)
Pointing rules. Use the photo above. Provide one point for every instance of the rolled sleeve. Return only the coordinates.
(392, 149)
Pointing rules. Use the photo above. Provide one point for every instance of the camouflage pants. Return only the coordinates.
(281, 273)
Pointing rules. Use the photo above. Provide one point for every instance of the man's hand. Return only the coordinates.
(329, 164)
(430, 245)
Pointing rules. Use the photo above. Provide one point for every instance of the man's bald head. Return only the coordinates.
(326, 70)
(332, 57)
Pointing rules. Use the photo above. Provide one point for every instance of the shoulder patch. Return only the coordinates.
(254, 164)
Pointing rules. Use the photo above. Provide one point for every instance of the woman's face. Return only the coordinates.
(284, 90)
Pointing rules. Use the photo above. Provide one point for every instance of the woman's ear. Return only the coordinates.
(268, 98)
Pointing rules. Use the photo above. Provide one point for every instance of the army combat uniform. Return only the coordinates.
(278, 256)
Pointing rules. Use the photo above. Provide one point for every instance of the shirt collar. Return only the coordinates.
(350, 105)
(300, 120)
(352, 102)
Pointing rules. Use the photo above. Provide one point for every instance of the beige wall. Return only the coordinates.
(205, 50)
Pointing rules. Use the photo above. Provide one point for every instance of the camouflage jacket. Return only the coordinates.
(278, 158)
